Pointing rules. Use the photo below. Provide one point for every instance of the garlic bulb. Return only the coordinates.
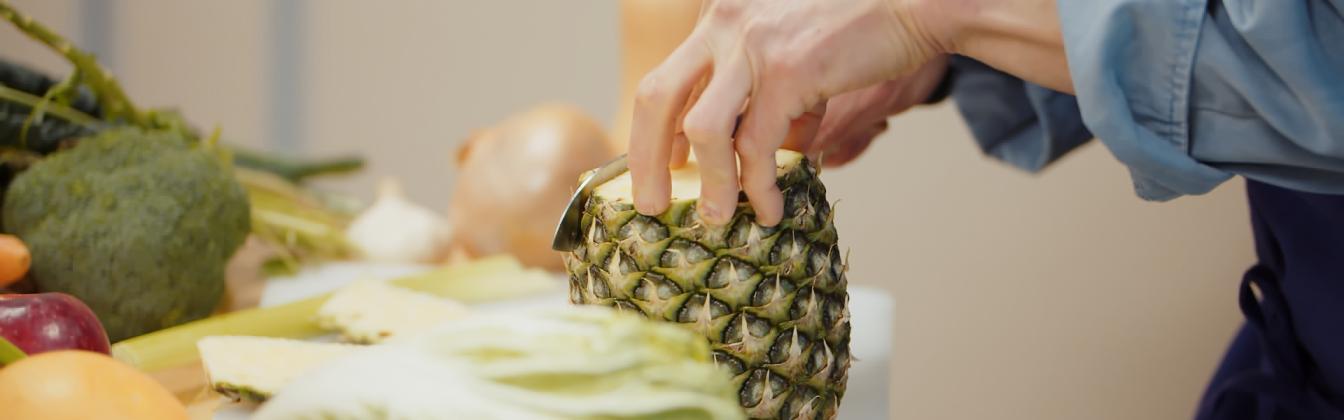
(396, 230)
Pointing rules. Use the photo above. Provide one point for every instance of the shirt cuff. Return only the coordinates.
(1131, 64)
(944, 87)
(1020, 123)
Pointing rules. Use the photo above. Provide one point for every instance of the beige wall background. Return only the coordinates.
(1050, 296)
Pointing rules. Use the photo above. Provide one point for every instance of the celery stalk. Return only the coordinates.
(176, 346)
(483, 280)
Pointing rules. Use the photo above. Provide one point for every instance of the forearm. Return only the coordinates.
(1018, 37)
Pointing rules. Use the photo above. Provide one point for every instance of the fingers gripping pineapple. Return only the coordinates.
(771, 301)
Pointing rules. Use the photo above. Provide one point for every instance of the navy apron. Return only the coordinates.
(1287, 362)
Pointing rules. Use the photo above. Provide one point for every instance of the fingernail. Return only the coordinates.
(770, 209)
(646, 208)
(764, 218)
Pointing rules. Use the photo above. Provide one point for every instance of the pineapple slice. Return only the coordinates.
(370, 312)
(253, 369)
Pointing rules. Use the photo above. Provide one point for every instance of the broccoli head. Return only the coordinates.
(138, 224)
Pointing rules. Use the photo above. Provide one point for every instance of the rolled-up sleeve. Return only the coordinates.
(1187, 93)
(1022, 124)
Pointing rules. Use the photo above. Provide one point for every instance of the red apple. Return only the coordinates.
(42, 322)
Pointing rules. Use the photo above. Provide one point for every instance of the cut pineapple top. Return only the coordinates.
(255, 368)
(685, 180)
(370, 312)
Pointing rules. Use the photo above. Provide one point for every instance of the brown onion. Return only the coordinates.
(515, 179)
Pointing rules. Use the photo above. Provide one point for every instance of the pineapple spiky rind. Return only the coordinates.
(772, 301)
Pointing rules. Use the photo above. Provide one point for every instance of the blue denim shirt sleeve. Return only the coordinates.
(1025, 125)
(1187, 93)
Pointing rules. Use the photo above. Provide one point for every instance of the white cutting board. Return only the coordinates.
(871, 314)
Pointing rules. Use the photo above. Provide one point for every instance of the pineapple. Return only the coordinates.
(253, 369)
(371, 312)
(771, 301)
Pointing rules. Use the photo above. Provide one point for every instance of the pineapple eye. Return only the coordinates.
(619, 263)
(803, 304)
(624, 306)
(823, 265)
(799, 211)
(841, 354)
(691, 218)
(819, 358)
(728, 271)
(832, 311)
(746, 232)
(576, 291)
(580, 253)
(667, 289)
(787, 345)
(778, 386)
(762, 385)
(732, 334)
(645, 228)
(823, 210)
(771, 290)
(717, 309)
(596, 232)
(745, 324)
(701, 307)
(788, 248)
(683, 253)
(838, 265)
(753, 391)
(654, 284)
(803, 401)
(598, 285)
(725, 360)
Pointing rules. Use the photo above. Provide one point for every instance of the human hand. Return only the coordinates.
(774, 63)
(854, 119)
